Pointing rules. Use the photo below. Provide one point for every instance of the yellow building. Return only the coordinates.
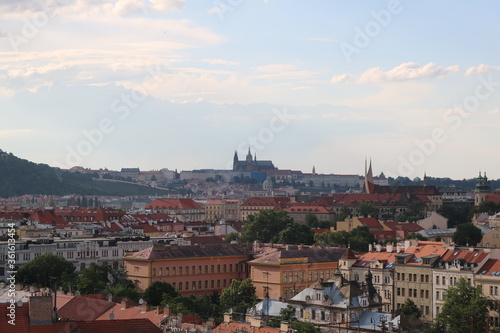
(282, 272)
(413, 276)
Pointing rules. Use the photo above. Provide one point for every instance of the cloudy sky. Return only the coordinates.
(180, 84)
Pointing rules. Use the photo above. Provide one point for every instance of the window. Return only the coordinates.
(310, 276)
(160, 271)
(187, 285)
(180, 285)
(154, 271)
(230, 267)
(399, 291)
(174, 270)
(443, 281)
(193, 285)
(285, 278)
(437, 279)
(285, 294)
(206, 284)
(427, 278)
(218, 268)
(422, 292)
(199, 270)
(218, 283)
(212, 269)
(225, 268)
(427, 294)
(180, 270)
(167, 272)
(206, 269)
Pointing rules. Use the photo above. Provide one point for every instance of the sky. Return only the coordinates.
(179, 84)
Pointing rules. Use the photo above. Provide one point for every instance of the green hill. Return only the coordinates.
(19, 177)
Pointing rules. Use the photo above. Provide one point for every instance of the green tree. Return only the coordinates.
(46, 270)
(416, 235)
(467, 233)
(366, 209)
(303, 327)
(345, 212)
(465, 310)
(414, 212)
(287, 314)
(265, 226)
(232, 236)
(410, 308)
(311, 220)
(103, 279)
(296, 233)
(359, 238)
(159, 292)
(239, 296)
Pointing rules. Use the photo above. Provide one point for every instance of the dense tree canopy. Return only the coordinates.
(265, 226)
(366, 209)
(410, 308)
(296, 233)
(467, 233)
(358, 239)
(465, 310)
(240, 296)
(104, 279)
(159, 292)
(46, 270)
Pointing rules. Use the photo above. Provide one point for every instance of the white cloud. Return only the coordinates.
(166, 5)
(407, 71)
(220, 62)
(90, 8)
(341, 78)
(481, 70)
(215, 10)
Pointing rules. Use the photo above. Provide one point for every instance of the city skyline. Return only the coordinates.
(182, 85)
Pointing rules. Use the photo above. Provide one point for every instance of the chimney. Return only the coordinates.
(167, 311)
(40, 309)
(301, 246)
(124, 303)
(370, 247)
(144, 307)
(378, 247)
(159, 310)
(228, 317)
(255, 322)
(389, 248)
(284, 327)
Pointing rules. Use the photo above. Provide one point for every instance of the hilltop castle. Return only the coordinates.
(251, 163)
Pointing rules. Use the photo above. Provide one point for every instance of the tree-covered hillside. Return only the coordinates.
(19, 177)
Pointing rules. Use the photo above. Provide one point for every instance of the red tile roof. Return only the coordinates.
(84, 309)
(348, 254)
(475, 256)
(174, 204)
(491, 266)
(243, 327)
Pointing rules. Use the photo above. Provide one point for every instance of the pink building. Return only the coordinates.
(191, 270)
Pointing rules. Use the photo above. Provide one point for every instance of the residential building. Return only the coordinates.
(254, 205)
(335, 301)
(181, 209)
(196, 269)
(453, 265)
(283, 271)
(413, 276)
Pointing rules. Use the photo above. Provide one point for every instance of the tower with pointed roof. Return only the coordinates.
(483, 188)
(368, 183)
(345, 263)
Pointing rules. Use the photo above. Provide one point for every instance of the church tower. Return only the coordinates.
(482, 189)
(235, 161)
(368, 183)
